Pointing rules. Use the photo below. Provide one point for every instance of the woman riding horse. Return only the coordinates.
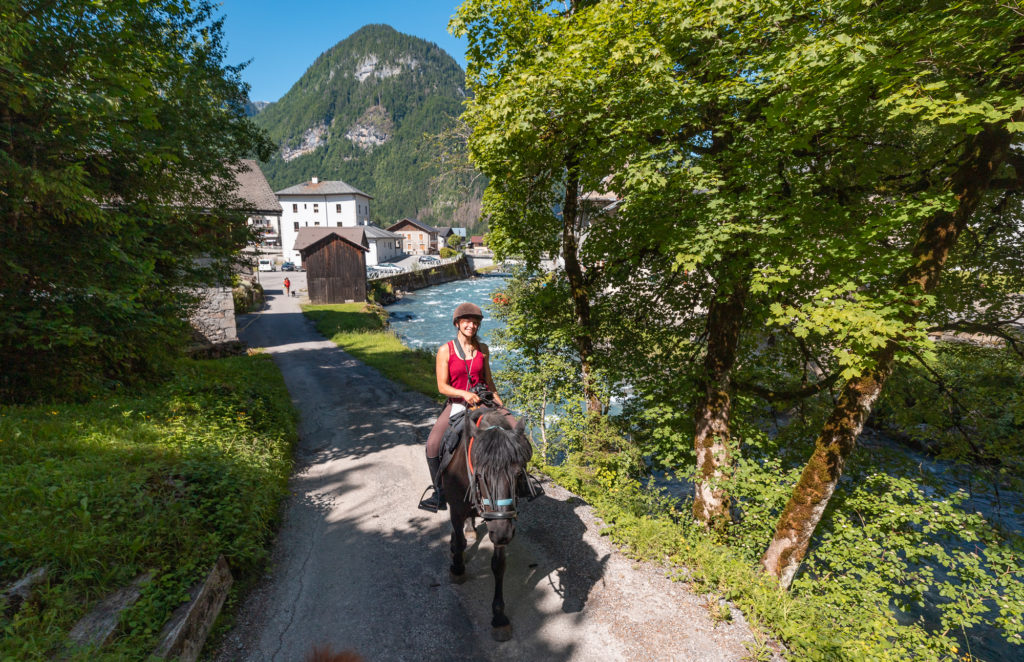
(459, 367)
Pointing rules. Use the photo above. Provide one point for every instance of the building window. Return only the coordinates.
(296, 226)
(337, 208)
(316, 222)
(316, 208)
(295, 208)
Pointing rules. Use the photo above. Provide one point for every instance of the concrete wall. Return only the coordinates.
(215, 317)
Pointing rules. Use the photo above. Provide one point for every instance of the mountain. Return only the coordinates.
(359, 114)
(255, 107)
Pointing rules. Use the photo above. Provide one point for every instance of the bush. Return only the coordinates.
(447, 252)
(247, 297)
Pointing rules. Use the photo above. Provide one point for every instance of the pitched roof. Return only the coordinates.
(374, 232)
(476, 239)
(254, 189)
(309, 236)
(413, 221)
(322, 188)
(444, 232)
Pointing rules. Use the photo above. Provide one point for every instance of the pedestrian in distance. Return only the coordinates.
(287, 287)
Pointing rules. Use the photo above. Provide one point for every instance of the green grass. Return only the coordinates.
(361, 330)
(158, 481)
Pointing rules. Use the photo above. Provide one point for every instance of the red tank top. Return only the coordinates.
(464, 373)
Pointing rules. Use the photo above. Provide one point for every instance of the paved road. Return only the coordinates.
(358, 567)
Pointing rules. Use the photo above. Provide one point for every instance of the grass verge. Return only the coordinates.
(158, 481)
(361, 330)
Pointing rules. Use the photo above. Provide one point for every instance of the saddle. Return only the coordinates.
(527, 486)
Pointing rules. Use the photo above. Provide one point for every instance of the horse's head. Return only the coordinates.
(498, 455)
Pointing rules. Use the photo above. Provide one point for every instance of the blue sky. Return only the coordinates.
(283, 38)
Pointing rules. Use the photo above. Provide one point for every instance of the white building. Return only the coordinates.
(319, 204)
(384, 246)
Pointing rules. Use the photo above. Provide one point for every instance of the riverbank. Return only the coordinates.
(904, 531)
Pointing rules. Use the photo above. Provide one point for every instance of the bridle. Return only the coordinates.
(479, 495)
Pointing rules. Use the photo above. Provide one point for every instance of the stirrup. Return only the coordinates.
(528, 487)
(432, 503)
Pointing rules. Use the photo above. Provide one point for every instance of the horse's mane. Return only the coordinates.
(498, 449)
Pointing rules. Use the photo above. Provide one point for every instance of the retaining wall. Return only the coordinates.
(215, 317)
(417, 280)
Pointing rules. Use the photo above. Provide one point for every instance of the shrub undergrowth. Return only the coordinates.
(162, 480)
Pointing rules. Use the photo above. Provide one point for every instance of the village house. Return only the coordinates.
(214, 319)
(265, 209)
(442, 236)
(328, 204)
(418, 238)
(383, 246)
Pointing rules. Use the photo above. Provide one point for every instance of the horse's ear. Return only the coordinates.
(469, 426)
(520, 428)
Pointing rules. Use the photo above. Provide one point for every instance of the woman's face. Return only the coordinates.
(468, 326)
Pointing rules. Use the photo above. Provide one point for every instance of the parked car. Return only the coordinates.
(266, 265)
(288, 266)
(429, 259)
(390, 267)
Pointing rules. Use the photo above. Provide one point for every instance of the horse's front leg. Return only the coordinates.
(457, 546)
(501, 627)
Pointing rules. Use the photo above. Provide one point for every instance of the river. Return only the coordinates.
(423, 318)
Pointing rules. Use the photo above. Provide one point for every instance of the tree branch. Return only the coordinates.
(776, 395)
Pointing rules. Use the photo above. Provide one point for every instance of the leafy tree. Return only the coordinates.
(119, 125)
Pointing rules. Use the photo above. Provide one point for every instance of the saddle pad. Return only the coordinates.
(450, 440)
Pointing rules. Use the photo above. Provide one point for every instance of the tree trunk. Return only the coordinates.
(984, 154)
(711, 439)
(578, 287)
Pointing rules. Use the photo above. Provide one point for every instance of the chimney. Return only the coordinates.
(316, 180)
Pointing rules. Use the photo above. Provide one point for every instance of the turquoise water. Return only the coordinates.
(423, 319)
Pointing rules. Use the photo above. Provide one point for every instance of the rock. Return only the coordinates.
(99, 625)
(19, 592)
(184, 635)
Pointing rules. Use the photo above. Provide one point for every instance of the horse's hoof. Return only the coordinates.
(503, 633)
(457, 578)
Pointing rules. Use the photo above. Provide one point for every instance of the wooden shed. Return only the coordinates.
(335, 261)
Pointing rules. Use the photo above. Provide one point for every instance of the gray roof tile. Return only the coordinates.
(322, 188)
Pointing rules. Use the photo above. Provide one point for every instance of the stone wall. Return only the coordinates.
(214, 320)
(417, 280)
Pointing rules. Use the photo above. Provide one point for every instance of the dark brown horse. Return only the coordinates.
(480, 481)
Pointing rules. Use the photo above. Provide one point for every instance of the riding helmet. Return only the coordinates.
(466, 310)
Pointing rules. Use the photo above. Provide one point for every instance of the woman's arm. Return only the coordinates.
(488, 379)
(444, 386)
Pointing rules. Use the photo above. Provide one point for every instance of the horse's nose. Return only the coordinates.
(501, 532)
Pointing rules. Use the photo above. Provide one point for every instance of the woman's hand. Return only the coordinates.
(470, 397)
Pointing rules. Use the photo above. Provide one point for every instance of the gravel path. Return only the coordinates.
(357, 566)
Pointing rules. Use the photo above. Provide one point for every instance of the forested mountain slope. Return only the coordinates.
(359, 114)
